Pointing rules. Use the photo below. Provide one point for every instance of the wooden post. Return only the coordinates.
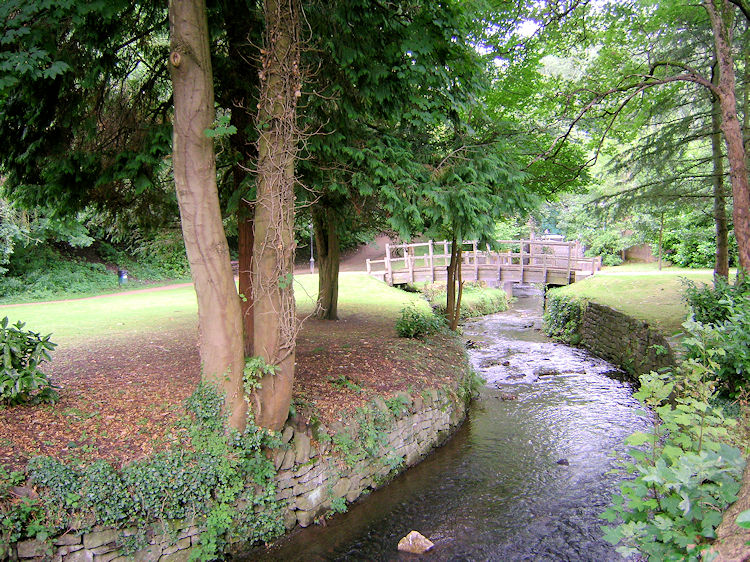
(476, 260)
(432, 261)
(388, 270)
(521, 259)
(569, 249)
(410, 262)
(544, 266)
(369, 266)
(445, 252)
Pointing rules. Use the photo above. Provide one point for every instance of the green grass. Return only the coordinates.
(111, 315)
(76, 321)
(643, 292)
(358, 294)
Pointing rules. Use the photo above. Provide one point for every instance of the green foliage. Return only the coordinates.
(729, 344)
(714, 305)
(47, 271)
(563, 316)
(22, 352)
(220, 479)
(160, 255)
(255, 369)
(18, 516)
(338, 505)
(374, 425)
(690, 240)
(42, 272)
(476, 300)
(470, 386)
(343, 381)
(371, 439)
(743, 519)
(345, 445)
(398, 405)
(221, 128)
(682, 474)
(417, 323)
(722, 329)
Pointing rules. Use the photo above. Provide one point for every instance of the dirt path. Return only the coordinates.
(355, 260)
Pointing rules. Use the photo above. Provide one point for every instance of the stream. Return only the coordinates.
(524, 478)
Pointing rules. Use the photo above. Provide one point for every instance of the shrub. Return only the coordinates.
(476, 300)
(721, 324)
(729, 341)
(21, 354)
(415, 323)
(713, 305)
(682, 474)
(563, 316)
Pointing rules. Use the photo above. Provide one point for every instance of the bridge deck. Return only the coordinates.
(536, 261)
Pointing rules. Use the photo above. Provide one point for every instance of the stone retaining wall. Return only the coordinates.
(632, 344)
(310, 478)
(313, 478)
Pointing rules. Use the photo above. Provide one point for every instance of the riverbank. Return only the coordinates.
(625, 316)
(122, 388)
(524, 478)
(642, 292)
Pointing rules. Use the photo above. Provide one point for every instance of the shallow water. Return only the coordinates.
(496, 491)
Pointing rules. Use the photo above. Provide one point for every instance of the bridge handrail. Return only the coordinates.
(522, 258)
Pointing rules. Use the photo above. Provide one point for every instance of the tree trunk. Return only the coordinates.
(240, 90)
(450, 283)
(327, 245)
(730, 126)
(245, 272)
(273, 250)
(721, 265)
(219, 319)
(459, 278)
(661, 239)
(454, 286)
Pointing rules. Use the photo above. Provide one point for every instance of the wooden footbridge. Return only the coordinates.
(539, 260)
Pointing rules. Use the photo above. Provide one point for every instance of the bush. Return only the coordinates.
(713, 305)
(21, 354)
(476, 300)
(729, 343)
(682, 474)
(43, 272)
(722, 326)
(415, 323)
(563, 316)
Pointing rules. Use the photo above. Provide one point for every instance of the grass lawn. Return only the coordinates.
(133, 313)
(642, 291)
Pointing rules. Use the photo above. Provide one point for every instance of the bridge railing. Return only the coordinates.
(517, 254)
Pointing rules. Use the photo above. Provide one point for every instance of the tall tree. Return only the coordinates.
(275, 323)
(219, 317)
(85, 109)
(626, 76)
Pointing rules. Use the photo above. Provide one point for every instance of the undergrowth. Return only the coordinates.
(218, 479)
(683, 473)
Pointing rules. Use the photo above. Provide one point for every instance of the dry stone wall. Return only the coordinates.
(632, 344)
(317, 473)
(311, 479)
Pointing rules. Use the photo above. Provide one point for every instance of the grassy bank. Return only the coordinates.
(643, 292)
